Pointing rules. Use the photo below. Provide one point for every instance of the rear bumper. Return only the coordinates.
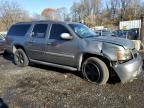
(129, 70)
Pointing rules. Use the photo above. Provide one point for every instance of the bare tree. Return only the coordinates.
(62, 13)
(11, 12)
(76, 11)
(96, 6)
(87, 10)
(124, 5)
(120, 10)
(129, 9)
(115, 5)
(37, 16)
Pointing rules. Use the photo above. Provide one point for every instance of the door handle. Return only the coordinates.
(53, 44)
(30, 42)
(49, 43)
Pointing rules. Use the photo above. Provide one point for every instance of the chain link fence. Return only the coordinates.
(3, 34)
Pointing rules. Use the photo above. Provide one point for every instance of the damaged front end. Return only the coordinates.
(126, 62)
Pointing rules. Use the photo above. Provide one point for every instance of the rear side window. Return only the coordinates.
(39, 30)
(19, 30)
(57, 30)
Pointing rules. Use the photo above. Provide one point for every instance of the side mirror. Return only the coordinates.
(66, 36)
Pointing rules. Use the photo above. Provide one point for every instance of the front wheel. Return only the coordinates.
(20, 58)
(95, 70)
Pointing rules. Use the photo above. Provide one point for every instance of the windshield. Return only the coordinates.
(82, 30)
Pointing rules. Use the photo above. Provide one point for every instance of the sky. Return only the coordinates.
(37, 6)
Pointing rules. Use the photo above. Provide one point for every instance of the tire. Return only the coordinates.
(95, 71)
(20, 58)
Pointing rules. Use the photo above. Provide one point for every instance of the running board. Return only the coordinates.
(54, 65)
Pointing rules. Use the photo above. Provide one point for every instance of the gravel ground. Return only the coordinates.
(39, 86)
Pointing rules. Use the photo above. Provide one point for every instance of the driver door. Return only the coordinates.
(60, 51)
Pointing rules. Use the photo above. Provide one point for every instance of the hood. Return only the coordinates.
(113, 40)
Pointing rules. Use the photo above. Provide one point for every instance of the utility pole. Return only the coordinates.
(142, 29)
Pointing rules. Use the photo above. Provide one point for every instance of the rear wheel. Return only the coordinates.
(95, 70)
(20, 58)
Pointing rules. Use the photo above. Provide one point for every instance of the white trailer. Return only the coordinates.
(125, 25)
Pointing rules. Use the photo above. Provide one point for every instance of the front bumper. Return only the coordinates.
(129, 70)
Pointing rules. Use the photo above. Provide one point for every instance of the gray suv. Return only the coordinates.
(75, 47)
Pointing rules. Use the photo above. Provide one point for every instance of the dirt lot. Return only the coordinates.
(39, 86)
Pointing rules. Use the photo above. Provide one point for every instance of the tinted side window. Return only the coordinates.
(57, 30)
(40, 30)
(19, 30)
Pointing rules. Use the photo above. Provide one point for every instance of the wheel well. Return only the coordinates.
(18, 47)
(105, 60)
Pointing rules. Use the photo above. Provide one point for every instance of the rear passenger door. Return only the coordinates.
(61, 51)
(37, 40)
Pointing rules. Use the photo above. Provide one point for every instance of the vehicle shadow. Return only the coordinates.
(112, 80)
(59, 70)
(8, 57)
(3, 104)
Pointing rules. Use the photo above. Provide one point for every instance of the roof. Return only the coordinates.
(52, 21)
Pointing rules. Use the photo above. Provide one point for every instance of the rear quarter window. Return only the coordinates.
(19, 30)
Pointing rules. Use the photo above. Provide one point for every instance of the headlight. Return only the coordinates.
(123, 55)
